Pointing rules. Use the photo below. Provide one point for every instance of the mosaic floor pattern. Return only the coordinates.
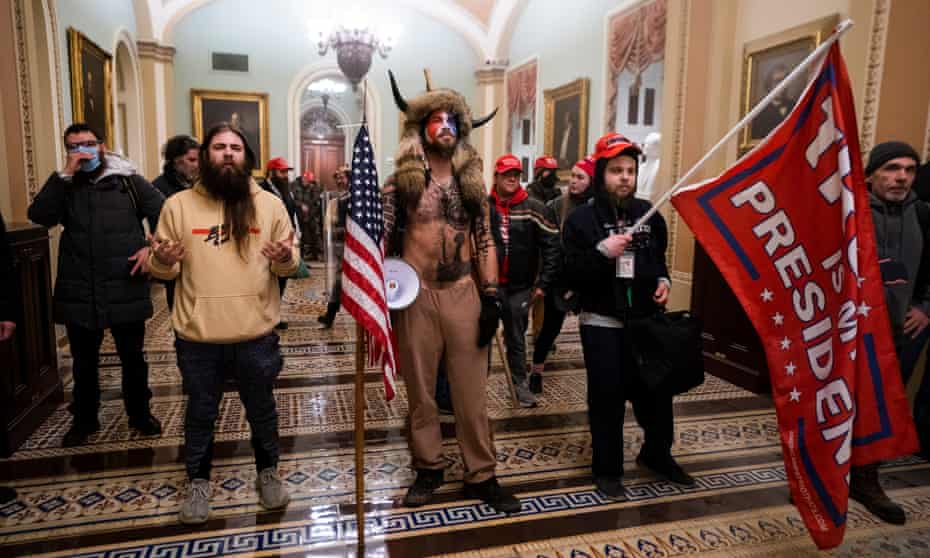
(78, 503)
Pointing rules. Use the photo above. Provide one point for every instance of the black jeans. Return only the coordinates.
(553, 319)
(169, 294)
(85, 348)
(255, 365)
(515, 316)
(335, 301)
(611, 382)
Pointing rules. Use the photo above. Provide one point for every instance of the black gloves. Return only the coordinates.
(487, 322)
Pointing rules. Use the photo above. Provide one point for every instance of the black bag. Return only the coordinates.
(667, 351)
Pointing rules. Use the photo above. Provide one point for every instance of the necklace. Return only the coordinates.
(440, 185)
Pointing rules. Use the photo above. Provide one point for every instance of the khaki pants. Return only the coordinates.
(442, 324)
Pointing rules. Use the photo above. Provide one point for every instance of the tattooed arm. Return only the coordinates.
(389, 209)
(486, 255)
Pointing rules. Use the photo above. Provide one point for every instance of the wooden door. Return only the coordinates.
(323, 157)
(30, 388)
(732, 348)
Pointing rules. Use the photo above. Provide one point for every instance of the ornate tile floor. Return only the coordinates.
(77, 502)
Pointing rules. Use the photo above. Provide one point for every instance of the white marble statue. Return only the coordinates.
(649, 166)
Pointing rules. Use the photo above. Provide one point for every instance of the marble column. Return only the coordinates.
(156, 62)
(490, 139)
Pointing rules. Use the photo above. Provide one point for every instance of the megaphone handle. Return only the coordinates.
(503, 354)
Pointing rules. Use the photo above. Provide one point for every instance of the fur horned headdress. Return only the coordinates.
(410, 160)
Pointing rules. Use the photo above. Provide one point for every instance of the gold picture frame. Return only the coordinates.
(91, 84)
(247, 111)
(566, 131)
(764, 60)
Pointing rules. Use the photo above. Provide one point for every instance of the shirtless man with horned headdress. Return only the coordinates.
(437, 218)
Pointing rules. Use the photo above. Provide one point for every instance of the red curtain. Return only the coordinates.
(521, 96)
(635, 41)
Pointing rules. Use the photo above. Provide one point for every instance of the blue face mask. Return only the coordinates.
(89, 165)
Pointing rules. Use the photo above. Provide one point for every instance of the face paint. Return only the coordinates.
(441, 122)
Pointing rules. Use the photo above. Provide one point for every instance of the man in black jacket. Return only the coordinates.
(182, 162)
(619, 274)
(276, 182)
(7, 316)
(101, 282)
(527, 245)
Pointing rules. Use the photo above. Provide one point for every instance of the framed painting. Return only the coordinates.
(246, 111)
(91, 90)
(766, 62)
(566, 135)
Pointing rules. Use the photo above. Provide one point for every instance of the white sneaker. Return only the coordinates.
(195, 509)
(271, 492)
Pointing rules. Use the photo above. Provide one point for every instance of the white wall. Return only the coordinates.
(279, 48)
(568, 39)
(100, 21)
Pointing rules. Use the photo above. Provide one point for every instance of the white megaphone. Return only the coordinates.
(401, 283)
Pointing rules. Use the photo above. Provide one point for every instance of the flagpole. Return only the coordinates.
(360, 405)
(841, 28)
(360, 434)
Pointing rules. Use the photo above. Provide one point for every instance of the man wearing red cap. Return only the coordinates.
(560, 299)
(545, 180)
(275, 182)
(620, 275)
(527, 245)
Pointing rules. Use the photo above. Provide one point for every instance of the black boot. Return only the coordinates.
(421, 491)
(865, 489)
(666, 467)
(78, 434)
(493, 494)
(7, 494)
(147, 425)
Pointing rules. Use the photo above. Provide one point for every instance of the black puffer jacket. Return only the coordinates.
(594, 276)
(534, 254)
(93, 288)
(169, 183)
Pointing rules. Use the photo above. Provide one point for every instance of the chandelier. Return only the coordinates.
(355, 42)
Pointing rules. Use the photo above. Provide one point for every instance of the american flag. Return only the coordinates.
(363, 294)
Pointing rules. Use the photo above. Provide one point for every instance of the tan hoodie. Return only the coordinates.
(221, 297)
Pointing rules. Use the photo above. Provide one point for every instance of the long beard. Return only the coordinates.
(232, 186)
(440, 150)
(228, 184)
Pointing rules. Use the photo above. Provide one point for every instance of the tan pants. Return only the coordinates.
(442, 324)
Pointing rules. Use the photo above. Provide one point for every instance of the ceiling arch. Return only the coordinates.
(486, 28)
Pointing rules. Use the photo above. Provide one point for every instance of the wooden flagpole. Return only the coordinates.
(360, 434)
(360, 338)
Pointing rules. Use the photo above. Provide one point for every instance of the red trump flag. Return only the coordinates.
(789, 227)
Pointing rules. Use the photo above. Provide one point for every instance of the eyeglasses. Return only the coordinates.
(88, 143)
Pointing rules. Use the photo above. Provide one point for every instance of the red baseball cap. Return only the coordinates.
(586, 165)
(611, 145)
(278, 163)
(507, 163)
(308, 176)
(546, 162)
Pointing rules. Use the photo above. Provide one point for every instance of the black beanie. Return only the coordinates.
(884, 152)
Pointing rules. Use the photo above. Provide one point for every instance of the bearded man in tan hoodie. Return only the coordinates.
(226, 241)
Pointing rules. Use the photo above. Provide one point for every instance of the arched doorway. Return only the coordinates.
(127, 98)
(322, 143)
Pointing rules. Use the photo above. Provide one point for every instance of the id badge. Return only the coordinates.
(626, 266)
